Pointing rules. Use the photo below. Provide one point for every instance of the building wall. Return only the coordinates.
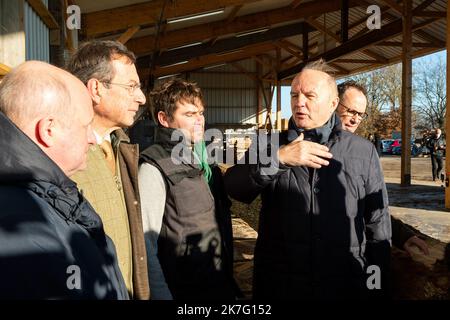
(36, 35)
(230, 97)
(12, 35)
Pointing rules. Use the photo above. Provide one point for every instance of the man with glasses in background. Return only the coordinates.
(352, 105)
(110, 181)
(352, 111)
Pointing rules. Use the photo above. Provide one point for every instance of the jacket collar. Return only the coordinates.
(22, 161)
(330, 131)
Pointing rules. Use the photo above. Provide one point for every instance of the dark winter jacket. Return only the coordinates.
(318, 229)
(52, 243)
(191, 243)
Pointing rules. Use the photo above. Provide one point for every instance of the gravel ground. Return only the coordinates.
(247, 212)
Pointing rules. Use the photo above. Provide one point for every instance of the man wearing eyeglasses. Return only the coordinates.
(352, 105)
(352, 110)
(110, 181)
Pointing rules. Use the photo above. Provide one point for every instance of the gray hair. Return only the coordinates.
(322, 66)
(93, 60)
(27, 93)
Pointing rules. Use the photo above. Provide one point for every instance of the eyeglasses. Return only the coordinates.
(131, 88)
(352, 113)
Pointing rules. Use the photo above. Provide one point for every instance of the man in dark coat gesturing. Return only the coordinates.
(324, 228)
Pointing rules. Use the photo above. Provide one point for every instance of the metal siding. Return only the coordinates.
(229, 97)
(36, 35)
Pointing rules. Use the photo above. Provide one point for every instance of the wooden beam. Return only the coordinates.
(423, 6)
(342, 70)
(282, 45)
(294, 4)
(432, 39)
(4, 69)
(415, 44)
(394, 5)
(127, 35)
(147, 14)
(430, 14)
(258, 86)
(305, 45)
(376, 56)
(357, 61)
(447, 117)
(373, 37)
(176, 38)
(245, 72)
(405, 172)
(416, 54)
(233, 13)
(209, 60)
(344, 20)
(45, 15)
(260, 61)
(228, 44)
(278, 85)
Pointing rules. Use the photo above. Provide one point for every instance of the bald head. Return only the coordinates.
(53, 108)
(35, 89)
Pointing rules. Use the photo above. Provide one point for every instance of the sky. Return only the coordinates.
(285, 98)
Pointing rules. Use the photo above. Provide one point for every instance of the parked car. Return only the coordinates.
(395, 143)
(415, 150)
(385, 144)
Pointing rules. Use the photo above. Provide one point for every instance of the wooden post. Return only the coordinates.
(305, 46)
(344, 20)
(258, 94)
(447, 118)
(278, 84)
(406, 93)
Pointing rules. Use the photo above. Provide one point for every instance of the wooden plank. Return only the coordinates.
(423, 5)
(45, 15)
(405, 169)
(294, 4)
(127, 35)
(447, 118)
(233, 13)
(344, 20)
(210, 60)
(432, 39)
(4, 69)
(357, 61)
(430, 14)
(376, 56)
(228, 44)
(283, 45)
(144, 45)
(371, 38)
(341, 70)
(395, 60)
(258, 92)
(415, 44)
(147, 14)
(278, 85)
(394, 5)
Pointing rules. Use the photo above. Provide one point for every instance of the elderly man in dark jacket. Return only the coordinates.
(324, 228)
(52, 243)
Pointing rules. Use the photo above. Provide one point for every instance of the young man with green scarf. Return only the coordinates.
(187, 230)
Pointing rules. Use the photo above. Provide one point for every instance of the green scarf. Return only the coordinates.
(202, 156)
